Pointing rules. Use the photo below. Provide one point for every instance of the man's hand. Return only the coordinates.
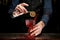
(20, 9)
(37, 28)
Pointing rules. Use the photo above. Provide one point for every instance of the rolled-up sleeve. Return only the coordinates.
(12, 6)
(47, 10)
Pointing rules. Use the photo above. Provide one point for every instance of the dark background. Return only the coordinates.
(6, 24)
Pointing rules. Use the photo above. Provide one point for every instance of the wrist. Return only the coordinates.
(42, 24)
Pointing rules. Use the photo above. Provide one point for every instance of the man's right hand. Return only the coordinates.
(20, 9)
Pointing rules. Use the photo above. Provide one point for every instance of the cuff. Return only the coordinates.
(45, 19)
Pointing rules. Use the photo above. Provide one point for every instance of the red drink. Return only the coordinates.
(30, 23)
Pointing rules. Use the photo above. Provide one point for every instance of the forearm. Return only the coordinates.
(45, 18)
(47, 11)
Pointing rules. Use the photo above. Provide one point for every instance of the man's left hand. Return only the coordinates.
(37, 28)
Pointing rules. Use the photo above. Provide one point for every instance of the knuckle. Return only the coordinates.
(23, 3)
(19, 5)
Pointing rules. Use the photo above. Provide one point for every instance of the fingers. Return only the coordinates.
(21, 8)
(37, 26)
(35, 33)
(37, 30)
(34, 29)
(24, 10)
(24, 4)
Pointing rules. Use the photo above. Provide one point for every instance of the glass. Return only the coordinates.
(30, 23)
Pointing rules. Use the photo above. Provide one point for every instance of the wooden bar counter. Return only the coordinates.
(21, 36)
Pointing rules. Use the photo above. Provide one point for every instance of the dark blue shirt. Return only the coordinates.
(47, 9)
